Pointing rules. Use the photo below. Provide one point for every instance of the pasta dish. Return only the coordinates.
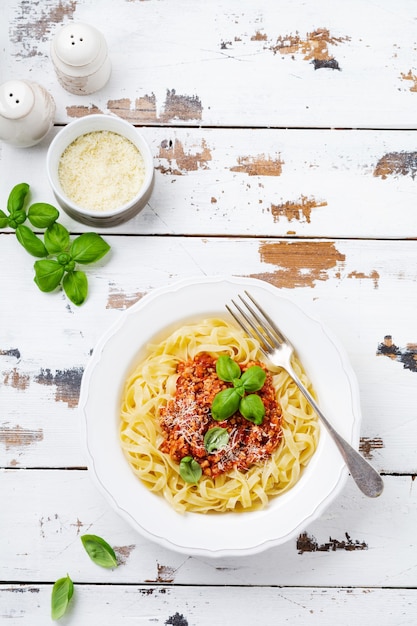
(207, 425)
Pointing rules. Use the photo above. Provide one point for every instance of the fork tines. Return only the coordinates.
(257, 324)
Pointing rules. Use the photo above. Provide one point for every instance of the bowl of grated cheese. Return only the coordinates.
(100, 169)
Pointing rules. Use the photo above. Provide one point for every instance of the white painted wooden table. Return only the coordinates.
(285, 148)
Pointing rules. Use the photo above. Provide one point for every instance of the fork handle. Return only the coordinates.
(362, 472)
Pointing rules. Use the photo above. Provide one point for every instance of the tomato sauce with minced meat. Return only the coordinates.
(187, 417)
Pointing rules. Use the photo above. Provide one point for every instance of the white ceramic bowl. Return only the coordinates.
(225, 534)
(70, 133)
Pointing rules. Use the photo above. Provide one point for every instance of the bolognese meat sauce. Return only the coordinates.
(187, 417)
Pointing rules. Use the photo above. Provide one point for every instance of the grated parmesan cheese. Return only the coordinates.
(101, 171)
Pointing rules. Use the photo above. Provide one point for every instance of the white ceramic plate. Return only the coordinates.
(226, 534)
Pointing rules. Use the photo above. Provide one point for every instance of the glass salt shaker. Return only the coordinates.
(79, 55)
(27, 112)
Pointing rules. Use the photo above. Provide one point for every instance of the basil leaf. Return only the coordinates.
(190, 470)
(17, 197)
(4, 220)
(75, 286)
(88, 247)
(65, 260)
(99, 551)
(254, 378)
(42, 215)
(56, 238)
(215, 439)
(48, 274)
(225, 404)
(252, 408)
(18, 217)
(62, 592)
(30, 241)
(227, 369)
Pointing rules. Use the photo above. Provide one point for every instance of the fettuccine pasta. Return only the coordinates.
(151, 386)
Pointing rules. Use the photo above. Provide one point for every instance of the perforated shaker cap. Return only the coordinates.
(77, 44)
(16, 99)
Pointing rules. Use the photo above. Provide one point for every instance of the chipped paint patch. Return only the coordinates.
(299, 263)
(143, 111)
(22, 589)
(407, 356)
(314, 47)
(179, 161)
(14, 352)
(260, 165)
(177, 620)
(299, 210)
(81, 110)
(123, 553)
(17, 380)
(66, 382)
(166, 573)
(374, 276)
(367, 446)
(18, 437)
(411, 78)
(50, 525)
(118, 299)
(330, 64)
(149, 591)
(258, 36)
(305, 543)
(181, 107)
(35, 23)
(78, 525)
(397, 163)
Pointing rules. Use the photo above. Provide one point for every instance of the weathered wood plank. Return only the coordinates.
(186, 606)
(260, 183)
(279, 64)
(362, 290)
(357, 541)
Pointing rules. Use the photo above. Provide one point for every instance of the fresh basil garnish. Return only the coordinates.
(48, 274)
(75, 285)
(233, 399)
(99, 551)
(254, 378)
(17, 198)
(88, 247)
(252, 408)
(30, 241)
(215, 439)
(62, 592)
(42, 215)
(190, 470)
(4, 220)
(56, 238)
(227, 369)
(225, 404)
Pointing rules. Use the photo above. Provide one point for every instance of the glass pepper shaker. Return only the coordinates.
(79, 55)
(27, 112)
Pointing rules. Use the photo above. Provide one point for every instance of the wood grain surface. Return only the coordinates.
(285, 148)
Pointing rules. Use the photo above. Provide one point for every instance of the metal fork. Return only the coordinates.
(278, 350)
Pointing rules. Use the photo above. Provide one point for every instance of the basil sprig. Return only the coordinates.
(99, 551)
(227, 402)
(58, 254)
(62, 592)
